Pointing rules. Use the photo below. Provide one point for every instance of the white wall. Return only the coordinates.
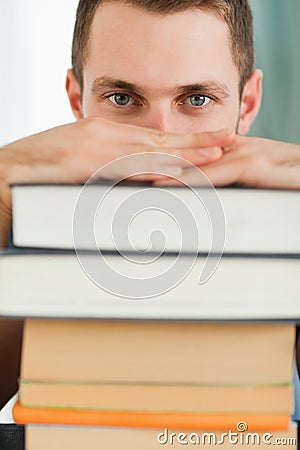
(35, 49)
(35, 52)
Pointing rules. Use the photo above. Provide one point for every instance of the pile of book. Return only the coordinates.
(188, 366)
(136, 375)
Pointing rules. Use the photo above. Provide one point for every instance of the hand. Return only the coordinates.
(252, 162)
(73, 153)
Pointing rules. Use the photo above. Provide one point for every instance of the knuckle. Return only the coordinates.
(157, 136)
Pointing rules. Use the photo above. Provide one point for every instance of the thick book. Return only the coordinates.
(158, 397)
(153, 419)
(138, 217)
(55, 285)
(158, 352)
(43, 437)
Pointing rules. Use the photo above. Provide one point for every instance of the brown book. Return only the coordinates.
(180, 398)
(172, 352)
(95, 438)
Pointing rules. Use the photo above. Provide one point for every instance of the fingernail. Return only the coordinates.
(210, 151)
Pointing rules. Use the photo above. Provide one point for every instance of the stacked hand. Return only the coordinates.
(73, 153)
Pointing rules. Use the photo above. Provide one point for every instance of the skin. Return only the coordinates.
(165, 46)
(180, 85)
(252, 162)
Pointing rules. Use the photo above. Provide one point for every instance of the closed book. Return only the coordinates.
(158, 352)
(124, 216)
(55, 285)
(157, 397)
(115, 438)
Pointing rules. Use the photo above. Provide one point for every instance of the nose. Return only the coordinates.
(162, 119)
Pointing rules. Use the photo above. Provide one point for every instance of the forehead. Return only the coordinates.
(156, 50)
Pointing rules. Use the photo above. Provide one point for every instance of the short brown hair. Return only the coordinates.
(236, 13)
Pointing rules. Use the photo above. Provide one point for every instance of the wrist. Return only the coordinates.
(292, 161)
(288, 165)
(5, 171)
(5, 215)
(5, 199)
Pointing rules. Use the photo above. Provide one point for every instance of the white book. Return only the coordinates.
(55, 285)
(124, 218)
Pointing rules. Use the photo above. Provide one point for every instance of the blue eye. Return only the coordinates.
(196, 101)
(121, 99)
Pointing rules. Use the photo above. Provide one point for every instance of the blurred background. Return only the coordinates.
(277, 37)
(35, 47)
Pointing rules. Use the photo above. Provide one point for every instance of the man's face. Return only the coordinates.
(174, 73)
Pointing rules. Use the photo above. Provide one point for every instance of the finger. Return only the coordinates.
(160, 161)
(220, 138)
(155, 138)
(185, 157)
(187, 178)
(143, 166)
(215, 174)
(190, 176)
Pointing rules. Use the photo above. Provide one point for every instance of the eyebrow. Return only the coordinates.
(211, 87)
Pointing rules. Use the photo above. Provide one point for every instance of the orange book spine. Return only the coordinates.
(142, 419)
